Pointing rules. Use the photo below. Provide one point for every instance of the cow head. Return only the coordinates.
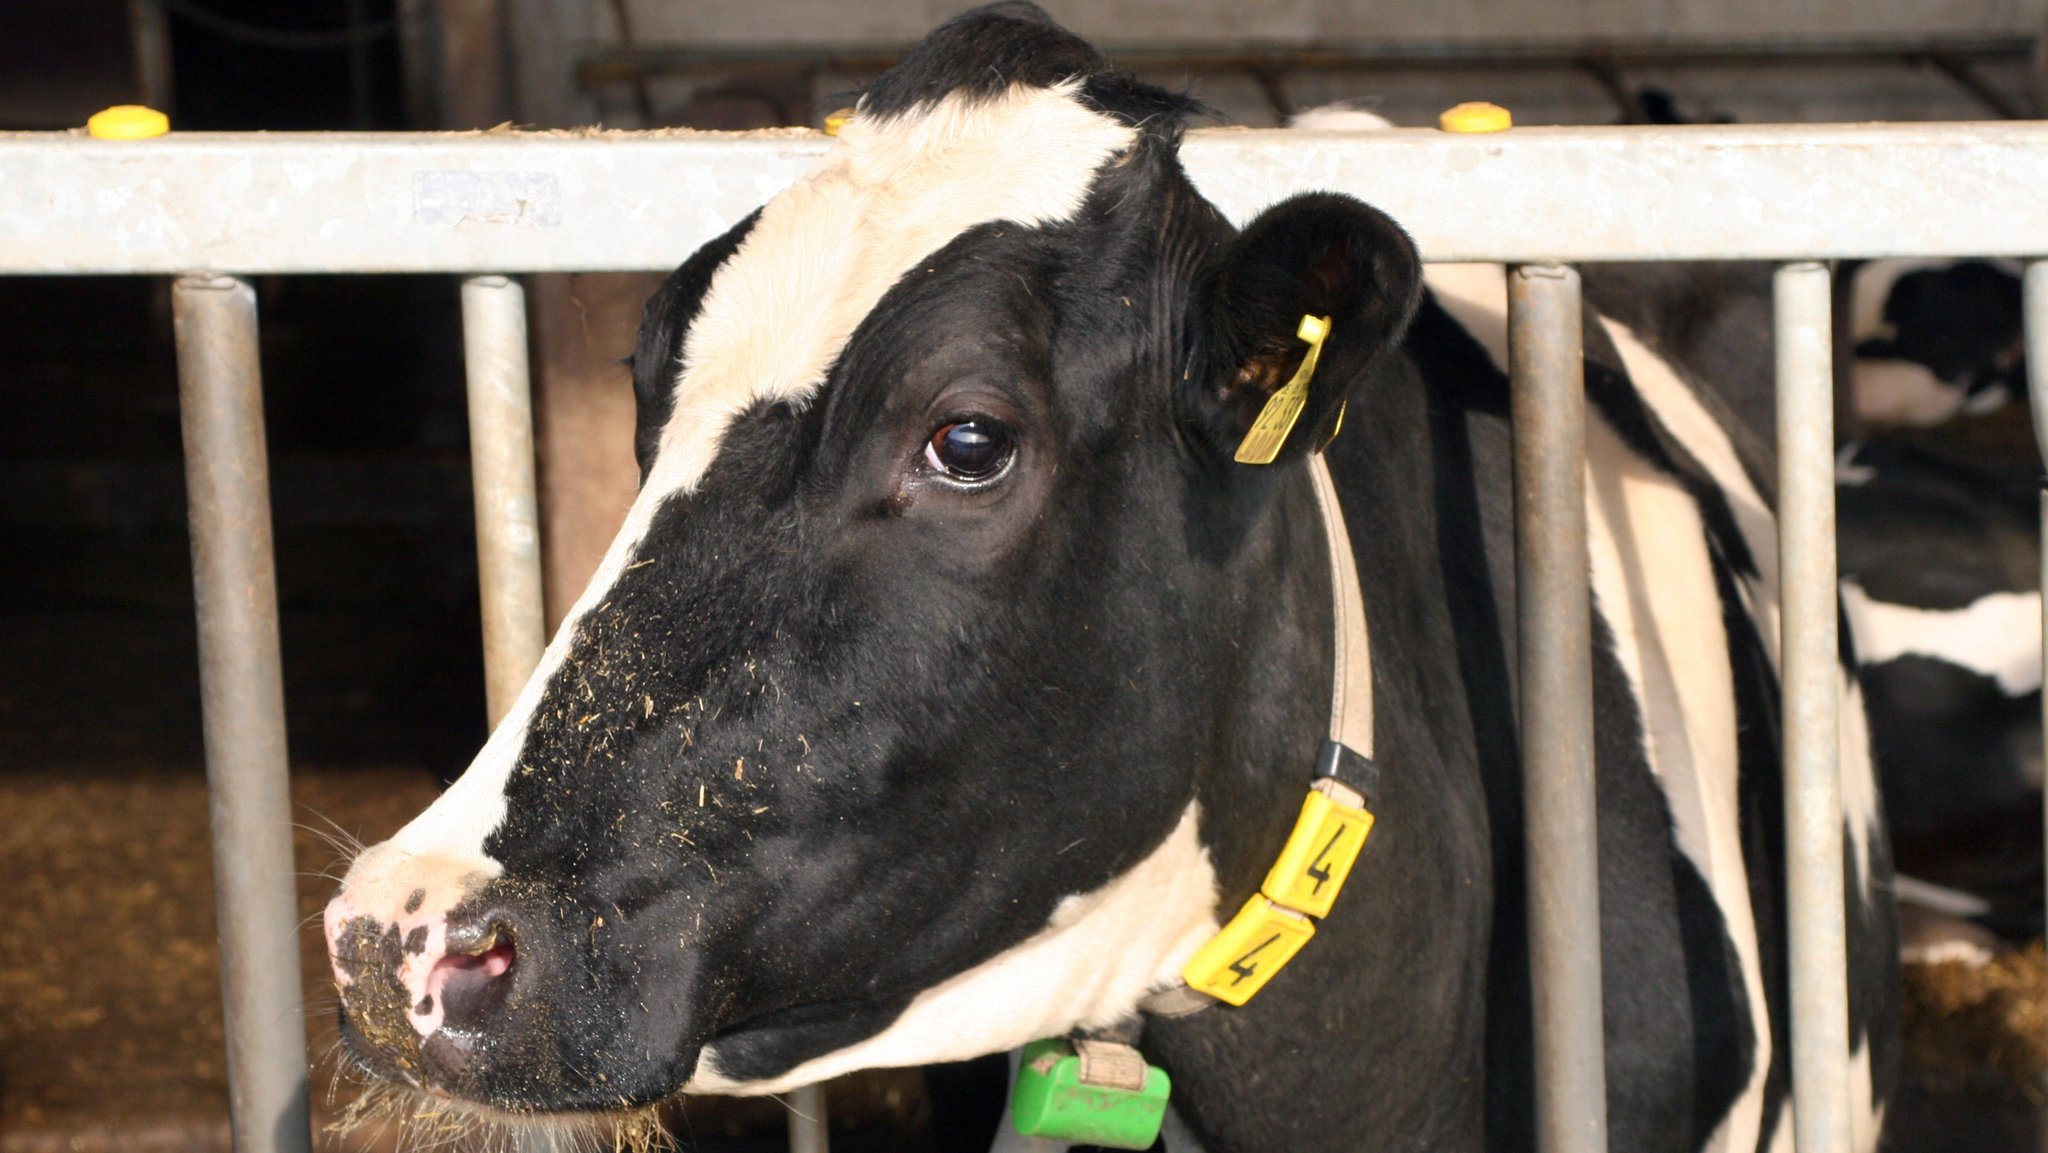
(883, 734)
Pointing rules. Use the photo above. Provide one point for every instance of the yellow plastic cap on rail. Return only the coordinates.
(127, 122)
(1475, 116)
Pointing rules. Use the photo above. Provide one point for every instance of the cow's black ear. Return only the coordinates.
(658, 350)
(1320, 254)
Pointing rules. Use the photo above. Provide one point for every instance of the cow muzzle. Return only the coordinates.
(427, 967)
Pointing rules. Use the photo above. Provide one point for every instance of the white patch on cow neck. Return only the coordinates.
(1098, 955)
(1998, 635)
(891, 192)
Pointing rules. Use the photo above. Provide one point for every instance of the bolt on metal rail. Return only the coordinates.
(1540, 199)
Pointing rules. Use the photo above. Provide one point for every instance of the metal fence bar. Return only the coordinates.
(1554, 608)
(494, 354)
(809, 1124)
(521, 203)
(234, 582)
(2035, 303)
(1811, 671)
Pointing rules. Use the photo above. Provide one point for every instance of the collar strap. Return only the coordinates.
(1303, 884)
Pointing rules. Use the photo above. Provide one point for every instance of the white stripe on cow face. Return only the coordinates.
(1998, 635)
(774, 320)
(891, 192)
(1099, 954)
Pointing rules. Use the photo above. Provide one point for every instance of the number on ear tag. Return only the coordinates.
(1269, 432)
(1319, 855)
(1238, 961)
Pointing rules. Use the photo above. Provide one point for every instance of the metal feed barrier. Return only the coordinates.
(494, 205)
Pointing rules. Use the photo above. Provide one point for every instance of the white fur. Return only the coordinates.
(1903, 392)
(1088, 968)
(1998, 635)
(1338, 118)
(890, 193)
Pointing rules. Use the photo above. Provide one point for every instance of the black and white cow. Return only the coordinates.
(948, 683)
(1940, 565)
(1934, 339)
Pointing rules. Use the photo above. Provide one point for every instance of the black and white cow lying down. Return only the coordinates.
(949, 684)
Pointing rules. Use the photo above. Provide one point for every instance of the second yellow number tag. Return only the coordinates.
(1325, 844)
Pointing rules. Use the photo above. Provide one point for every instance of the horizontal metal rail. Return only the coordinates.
(485, 204)
(596, 201)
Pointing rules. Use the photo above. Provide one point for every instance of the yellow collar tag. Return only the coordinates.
(1303, 884)
(1269, 432)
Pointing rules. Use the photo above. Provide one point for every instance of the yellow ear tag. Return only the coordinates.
(1262, 444)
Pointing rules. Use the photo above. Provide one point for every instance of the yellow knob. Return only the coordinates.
(837, 120)
(127, 122)
(1475, 116)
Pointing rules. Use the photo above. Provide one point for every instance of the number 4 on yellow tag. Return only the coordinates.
(1238, 961)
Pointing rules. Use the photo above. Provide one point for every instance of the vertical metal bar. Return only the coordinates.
(227, 481)
(2035, 304)
(501, 466)
(1812, 683)
(149, 30)
(809, 1130)
(1554, 608)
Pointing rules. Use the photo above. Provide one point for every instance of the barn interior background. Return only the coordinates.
(110, 1034)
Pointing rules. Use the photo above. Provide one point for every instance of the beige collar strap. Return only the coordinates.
(1334, 822)
(1351, 682)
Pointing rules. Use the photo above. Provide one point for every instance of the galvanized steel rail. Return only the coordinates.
(487, 205)
(1553, 602)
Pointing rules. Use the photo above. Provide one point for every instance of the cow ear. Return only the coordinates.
(1320, 255)
(664, 323)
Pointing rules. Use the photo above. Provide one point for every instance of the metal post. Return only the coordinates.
(501, 466)
(2036, 313)
(149, 30)
(1812, 683)
(1554, 607)
(808, 1128)
(227, 480)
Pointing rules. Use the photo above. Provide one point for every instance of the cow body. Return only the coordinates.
(1940, 571)
(949, 684)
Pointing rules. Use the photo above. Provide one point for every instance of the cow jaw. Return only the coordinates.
(1088, 968)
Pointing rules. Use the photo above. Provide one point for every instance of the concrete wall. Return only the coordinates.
(1894, 91)
(1233, 22)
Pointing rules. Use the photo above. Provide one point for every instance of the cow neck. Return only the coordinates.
(1304, 881)
(1096, 1088)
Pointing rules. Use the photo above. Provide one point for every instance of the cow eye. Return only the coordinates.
(969, 451)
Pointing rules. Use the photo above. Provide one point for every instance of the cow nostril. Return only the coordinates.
(471, 986)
